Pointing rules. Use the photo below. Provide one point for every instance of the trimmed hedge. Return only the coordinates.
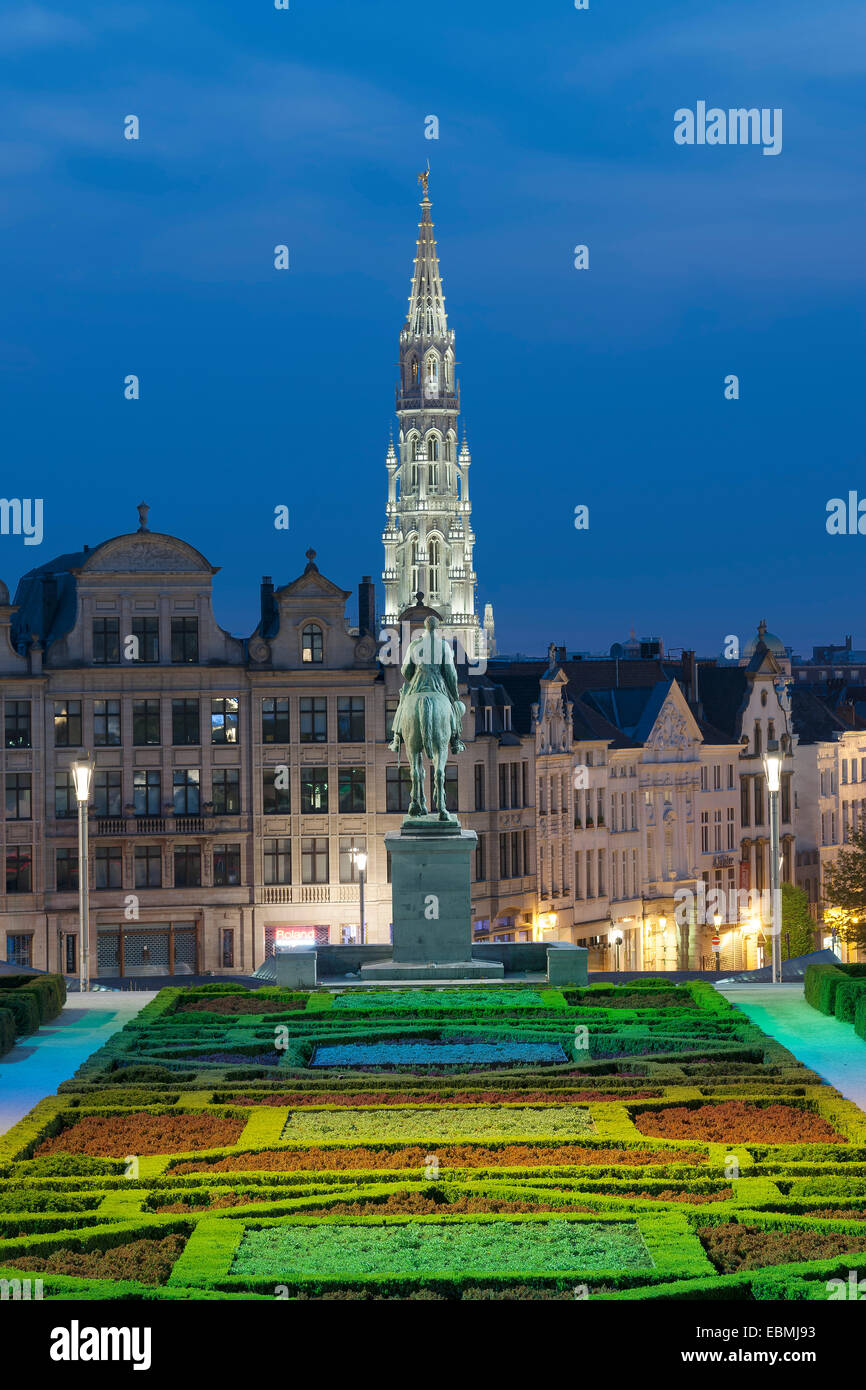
(24, 1007)
(7, 1030)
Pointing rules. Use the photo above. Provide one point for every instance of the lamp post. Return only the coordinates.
(360, 858)
(773, 770)
(82, 772)
(717, 922)
(617, 942)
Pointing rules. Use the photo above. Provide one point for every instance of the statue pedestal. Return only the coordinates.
(432, 906)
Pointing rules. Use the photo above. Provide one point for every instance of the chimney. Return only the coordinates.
(267, 601)
(690, 676)
(560, 654)
(366, 606)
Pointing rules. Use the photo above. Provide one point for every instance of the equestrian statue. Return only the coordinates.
(429, 715)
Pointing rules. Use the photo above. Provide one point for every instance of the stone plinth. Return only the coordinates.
(567, 965)
(432, 906)
(295, 969)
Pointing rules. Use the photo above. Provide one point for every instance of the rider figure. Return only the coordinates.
(429, 665)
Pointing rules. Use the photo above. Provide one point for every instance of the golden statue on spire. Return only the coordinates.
(423, 177)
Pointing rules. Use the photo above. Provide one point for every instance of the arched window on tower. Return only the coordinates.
(433, 477)
(414, 477)
(414, 446)
(434, 565)
(433, 371)
(413, 372)
(448, 447)
(311, 643)
(432, 446)
(429, 319)
(413, 566)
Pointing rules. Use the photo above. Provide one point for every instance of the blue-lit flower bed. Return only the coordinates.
(437, 1054)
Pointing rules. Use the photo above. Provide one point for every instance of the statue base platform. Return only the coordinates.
(432, 904)
(387, 970)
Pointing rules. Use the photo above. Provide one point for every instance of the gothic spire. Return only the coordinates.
(426, 317)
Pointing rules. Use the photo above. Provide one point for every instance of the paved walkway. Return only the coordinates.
(40, 1061)
(829, 1047)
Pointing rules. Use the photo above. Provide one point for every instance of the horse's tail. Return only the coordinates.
(426, 706)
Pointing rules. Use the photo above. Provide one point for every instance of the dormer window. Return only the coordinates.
(312, 645)
(506, 716)
(488, 719)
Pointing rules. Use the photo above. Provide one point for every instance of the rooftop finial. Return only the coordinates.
(311, 556)
(423, 177)
(143, 510)
(762, 629)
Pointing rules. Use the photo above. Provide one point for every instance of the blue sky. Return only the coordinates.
(603, 387)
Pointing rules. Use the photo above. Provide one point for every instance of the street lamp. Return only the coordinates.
(717, 922)
(82, 773)
(773, 770)
(617, 942)
(360, 858)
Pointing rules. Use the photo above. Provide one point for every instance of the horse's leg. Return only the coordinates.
(418, 783)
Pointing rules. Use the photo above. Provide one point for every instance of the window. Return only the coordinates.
(785, 786)
(226, 791)
(146, 633)
(314, 859)
(17, 723)
(703, 778)
(278, 861)
(451, 786)
(350, 719)
(717, 776)
(730, 776)
(479, 786)
(745, 816)
(145, 722)
(717, 829)
(705, 832)
(312, 647)
(71, 953)
(185, 723)
(314, 719)
(759, 801)
(184, 640)
(65, 801)
(503, 856)
(276, 791)
(19, 801)
(844, 771)
(148, 866)
(108, 866)
(106, 723)
(398, 785)
(578, 878)
(19, 869)
(524, 800)
(19, 950)
(731, 827)
(390, 711)
(514, 775)
(146, 791)
(275, 721)
(186, 791)
(228, 952)
(106, 641)
(224, 720)
(516, 869)
(314, 791)
(107, 794)
(67, 724)
(187, 866)
(352, 784)
(350, 845)
(226, 866)
(503, 787)
(479, 860)
(66, 870)
(434, 548)
(601, 885)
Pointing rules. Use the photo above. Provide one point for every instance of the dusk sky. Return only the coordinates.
(602, 387)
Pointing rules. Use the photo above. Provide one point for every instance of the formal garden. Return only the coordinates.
(612, 1142)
